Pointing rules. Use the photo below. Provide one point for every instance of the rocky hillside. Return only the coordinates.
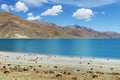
(12, 26)
(82, 31)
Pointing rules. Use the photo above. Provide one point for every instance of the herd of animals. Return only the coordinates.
(37, 71)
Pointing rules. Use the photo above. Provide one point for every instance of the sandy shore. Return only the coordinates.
(21, 66)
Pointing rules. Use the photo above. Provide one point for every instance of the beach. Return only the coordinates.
(27, 66)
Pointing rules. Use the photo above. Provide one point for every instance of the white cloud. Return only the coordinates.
(86, 3)
(83, 14)
(34, 2)
(32, 17)
(30, 14)
(5, 7)
(54, 11)
(20, 6)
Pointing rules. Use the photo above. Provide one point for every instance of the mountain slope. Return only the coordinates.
(81, 31)
(12, 26)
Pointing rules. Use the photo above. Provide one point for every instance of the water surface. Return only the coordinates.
(66, 47)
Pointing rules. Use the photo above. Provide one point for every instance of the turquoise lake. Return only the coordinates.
(109, 48)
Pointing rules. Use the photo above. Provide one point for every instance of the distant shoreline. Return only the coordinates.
(58, 55)
(63, 38)
(30, 53)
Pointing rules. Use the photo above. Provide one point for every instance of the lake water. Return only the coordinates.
(66, 47)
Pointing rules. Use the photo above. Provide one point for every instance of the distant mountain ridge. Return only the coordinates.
(12, 26)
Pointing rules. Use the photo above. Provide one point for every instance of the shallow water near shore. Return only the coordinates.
(87, 47)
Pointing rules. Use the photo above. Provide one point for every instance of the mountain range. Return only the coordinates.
(12, 26)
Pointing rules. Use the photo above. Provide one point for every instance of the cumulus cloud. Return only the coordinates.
(34, 2)
(83, 14)
(54, 11)
(20, 6)
(32, 17)
(5, 7)
(86, 3)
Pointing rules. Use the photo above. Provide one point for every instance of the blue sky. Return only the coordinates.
(101, 15)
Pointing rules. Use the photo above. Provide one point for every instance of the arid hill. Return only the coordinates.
(12, 26)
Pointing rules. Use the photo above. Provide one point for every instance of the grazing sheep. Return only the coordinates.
(55, 66)
(45, 72)
(99, 72)
(30, 67)
(111, 68)
(20, 70)
(15, 67)
(18, 65)
(37, 71)
(74, 78)
(64, 72)
(40, 66)
(24, 69)
(3, 69)
(4, 66)
(91, 68)
(6, 72)
(59, 75)
(95, 76)
(8, 64)
(89, 72)
(82, 73)
(114, 73)
(34, 69)
(69, 73)
(51, 72)
(10, 68)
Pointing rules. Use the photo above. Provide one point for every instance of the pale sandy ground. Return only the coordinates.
(21, 66)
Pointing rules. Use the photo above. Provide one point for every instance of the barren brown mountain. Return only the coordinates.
(12, 26)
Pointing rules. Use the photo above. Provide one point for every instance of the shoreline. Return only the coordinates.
(55, 59)
(30, 53)
(63, 38)
(51, 67)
